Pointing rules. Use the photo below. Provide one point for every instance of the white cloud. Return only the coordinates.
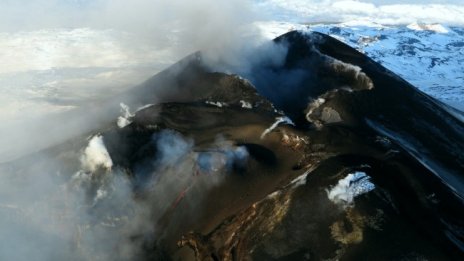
(383, 12)
(75, 48)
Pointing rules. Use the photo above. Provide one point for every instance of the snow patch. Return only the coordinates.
(300, 180)
(245, 104)
(217, 104)
(350, 187)
(279, 120)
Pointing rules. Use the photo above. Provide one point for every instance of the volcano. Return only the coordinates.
(327, 155)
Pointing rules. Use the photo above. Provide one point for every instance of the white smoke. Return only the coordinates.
(172, 147)
(90, 216)
(63, 54)
(48, 213)
(124, 119)
(109, 33)
(96, 156)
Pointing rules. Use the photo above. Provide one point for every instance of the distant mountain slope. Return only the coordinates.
(430, 56)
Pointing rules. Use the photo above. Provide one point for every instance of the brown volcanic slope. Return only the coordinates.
(210, 202)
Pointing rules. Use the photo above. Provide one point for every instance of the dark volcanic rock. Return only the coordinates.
(223, 175)
(417, 205)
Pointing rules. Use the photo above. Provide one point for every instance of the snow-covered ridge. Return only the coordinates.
(429, 56)
(421, 41)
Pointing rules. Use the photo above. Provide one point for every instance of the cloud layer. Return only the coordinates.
(449, 12)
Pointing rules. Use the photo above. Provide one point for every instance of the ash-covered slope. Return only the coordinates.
(366, 120)
(327, 155)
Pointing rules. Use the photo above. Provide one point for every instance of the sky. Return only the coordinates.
(38, 14)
